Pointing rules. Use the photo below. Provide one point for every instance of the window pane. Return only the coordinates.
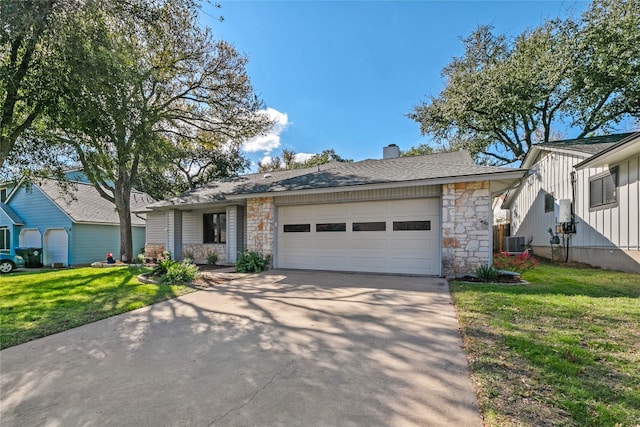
(5, 239)
(411, 225)
(222, 225)
(335, 226)
(609, 189)
(369, 226)
(603, 190)
(548, 203)
(297, 228)
(595, 193)
(208, 226)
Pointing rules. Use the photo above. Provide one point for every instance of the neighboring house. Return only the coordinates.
(417, 215)
(500, 216)
(600, 177)
(73, 227)
(501, 221)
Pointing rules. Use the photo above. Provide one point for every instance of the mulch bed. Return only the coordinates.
(207, 267)
(209, 282)
(212, 275)
(502, 279)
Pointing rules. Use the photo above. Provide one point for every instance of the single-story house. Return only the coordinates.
(427, 215)
(73, 226)
(588, 191)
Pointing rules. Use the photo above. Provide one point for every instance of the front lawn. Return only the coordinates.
(36, 304)
(563, 350)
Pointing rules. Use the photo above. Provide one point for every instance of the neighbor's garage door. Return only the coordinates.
(392, 236)
(30, 238)
(56, 246)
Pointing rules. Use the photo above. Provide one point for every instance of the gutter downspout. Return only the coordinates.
(573, 216)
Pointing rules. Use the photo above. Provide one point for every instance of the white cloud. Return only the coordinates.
(266, 160)
(303, 157)
(271, 140)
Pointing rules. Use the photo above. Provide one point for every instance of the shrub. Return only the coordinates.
(163, 266)
(486, 273)
(212, 258)
(166, 254)
(251, 262)
(181, 272)
(140, 258)
(518, 263)
(188, 256)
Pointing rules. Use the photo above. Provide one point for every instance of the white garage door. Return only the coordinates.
(30, 238)
(56, 246)
(393, 236)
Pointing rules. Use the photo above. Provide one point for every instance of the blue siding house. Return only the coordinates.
(73, 227)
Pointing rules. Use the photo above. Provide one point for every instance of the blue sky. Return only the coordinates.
(343, 75)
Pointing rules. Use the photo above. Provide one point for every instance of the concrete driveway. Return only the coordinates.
(281, 348)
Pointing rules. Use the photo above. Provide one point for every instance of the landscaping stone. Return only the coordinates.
(104, 264)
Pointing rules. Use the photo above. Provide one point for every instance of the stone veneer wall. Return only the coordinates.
(261, 213)
(465, 227)
(153, 250)
(200, 252)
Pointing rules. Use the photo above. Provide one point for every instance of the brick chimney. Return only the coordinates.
(392, 151)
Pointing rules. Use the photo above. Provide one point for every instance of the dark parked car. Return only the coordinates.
(9, 262)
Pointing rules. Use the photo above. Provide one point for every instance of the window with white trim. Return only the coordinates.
(5, 239)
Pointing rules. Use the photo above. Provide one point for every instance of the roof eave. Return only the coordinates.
(106, 223)
(10, 214)
(191, 205)
(533, 154)
(565, 151)
(14, 222)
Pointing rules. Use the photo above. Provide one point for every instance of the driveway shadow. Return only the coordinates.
(280, 348)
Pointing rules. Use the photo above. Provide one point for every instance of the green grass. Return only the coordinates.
(563, 350)
(36, 304)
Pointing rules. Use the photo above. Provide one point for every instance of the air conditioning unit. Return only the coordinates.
(513, 244)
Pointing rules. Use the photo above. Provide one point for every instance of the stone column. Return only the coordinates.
(466, 225)
(261, 213)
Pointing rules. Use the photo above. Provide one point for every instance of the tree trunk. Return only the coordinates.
(123, 206)
(5, 148)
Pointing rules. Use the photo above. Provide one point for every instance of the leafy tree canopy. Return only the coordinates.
(152, 87)
(129, 83)
(26, 63)
(288, 161)
(503, 95)
(190, 165)
(418, 150)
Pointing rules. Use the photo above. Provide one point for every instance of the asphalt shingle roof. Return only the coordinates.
(402, 169)
(592, 145)
(83, 203)
(13, 216)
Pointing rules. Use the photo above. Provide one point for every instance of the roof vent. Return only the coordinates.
(392, 151)
(266, 175)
